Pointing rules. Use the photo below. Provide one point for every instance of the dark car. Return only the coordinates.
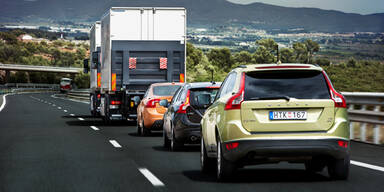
(182, 119)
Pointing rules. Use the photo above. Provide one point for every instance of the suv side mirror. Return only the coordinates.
(203, 100)
(85, 62)
(164, 103)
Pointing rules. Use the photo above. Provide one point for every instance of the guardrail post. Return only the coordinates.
(376, 131)
(363, 127)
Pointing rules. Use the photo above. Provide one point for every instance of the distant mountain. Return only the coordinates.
(200, 12)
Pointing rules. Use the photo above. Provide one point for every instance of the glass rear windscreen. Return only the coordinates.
(167, 90)
(299, 84)
(196, 92)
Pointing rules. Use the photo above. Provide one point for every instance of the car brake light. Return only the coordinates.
(115, 102)
(335, 96)
(231, 145)
(343, 143)
(183, 107)
(235, 101)
(284, 67)
(98, 96)
(152, 103)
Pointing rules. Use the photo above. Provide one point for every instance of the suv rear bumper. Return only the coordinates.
(264, 151)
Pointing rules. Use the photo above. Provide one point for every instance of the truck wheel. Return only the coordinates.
(338, 169)
(106, 118)
(167, 142)
(225, 168)
(175, 145)
(207, 164)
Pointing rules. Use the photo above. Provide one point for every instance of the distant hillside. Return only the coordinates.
(200, 12)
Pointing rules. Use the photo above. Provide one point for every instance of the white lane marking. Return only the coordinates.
(81, 119)
(54, 105)
(65, 111)
(151, 177)
(50, 103)
(115, 143)
(84, 102)
(72, 114)
(94, 128)
(4, 102)
(59, 107)
(366, 165)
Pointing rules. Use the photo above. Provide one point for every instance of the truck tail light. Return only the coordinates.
(115, 102)
(98, 96)
(182, 78)
(335, 96)
(113, 83)
(235, 101)
(183, 107)
(152, 103)
(132, 62)
(98, 80)
(163, 62)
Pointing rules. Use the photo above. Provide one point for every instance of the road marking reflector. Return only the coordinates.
(81, 119)
(94, 128)
(152, 178)
(366, 165)
(115, 143)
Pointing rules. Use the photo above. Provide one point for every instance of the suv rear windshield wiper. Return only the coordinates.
(272, 97)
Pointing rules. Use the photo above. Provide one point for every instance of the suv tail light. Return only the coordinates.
(152, 103)
(235, 101)
(183, 107)
(335, 96)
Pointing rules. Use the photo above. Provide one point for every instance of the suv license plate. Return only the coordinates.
(287, 115)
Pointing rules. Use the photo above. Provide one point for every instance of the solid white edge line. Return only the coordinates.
(115, 143)
(94, 128)
(366, 165)
(4, 102)
(81, 119)
(152, 178)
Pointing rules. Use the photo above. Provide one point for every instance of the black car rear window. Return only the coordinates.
(167, 90)
(299, 84)
(195, 92)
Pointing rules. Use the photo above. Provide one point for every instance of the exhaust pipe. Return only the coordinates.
(193, 138)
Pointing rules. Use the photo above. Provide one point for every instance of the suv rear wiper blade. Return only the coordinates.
(272, 98)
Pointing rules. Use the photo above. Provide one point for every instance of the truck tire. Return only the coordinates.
(106, 118)
(92, 102)
(338, 169)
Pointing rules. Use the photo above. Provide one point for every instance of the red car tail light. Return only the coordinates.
(152, 103)
(231, 146)
(183, 107)
(235, 101)
(335, 96)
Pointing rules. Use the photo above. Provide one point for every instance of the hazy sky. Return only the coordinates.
(349, 6)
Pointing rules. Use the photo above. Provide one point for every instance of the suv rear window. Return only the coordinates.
(299, 84)
(167, 90)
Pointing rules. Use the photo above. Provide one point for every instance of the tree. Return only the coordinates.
(323, 62)
(312, 47)
(269, 44)
(300, 52)
(243, 57)
(221, 58)
(262, 55)
(287, 55)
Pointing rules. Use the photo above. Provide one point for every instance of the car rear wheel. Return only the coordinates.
(167, 142)
(138, 128)
(175, 145)
(144, 131)
(338, 169)
(225, 168)
(207, 163)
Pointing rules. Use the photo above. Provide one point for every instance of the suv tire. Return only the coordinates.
(207, 163)
(338, 169)
(225, 168)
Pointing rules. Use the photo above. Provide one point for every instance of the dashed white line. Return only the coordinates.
(59, 107)
(54, 105)
(65, 111)
(72, 114)
(366, 165)
(94, 128)
(81, 119)
(151, 177)
(4, 102)
(115, 143)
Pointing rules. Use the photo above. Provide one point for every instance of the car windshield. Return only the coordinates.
(167, 90)
(299, 84)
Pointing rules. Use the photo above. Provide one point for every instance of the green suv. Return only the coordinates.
(269, 113)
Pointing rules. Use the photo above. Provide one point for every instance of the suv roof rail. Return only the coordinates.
(241, 66)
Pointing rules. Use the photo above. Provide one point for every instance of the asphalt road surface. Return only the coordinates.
(52, 144)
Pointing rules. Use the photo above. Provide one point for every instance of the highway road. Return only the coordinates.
(52, 144)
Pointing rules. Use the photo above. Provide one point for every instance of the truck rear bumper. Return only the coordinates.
(266, 151)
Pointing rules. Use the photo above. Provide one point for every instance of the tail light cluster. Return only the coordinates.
(342, 143)
(335, 96)
(115, 102)
(152, 103)
(235, 101)
(231, 146)
(183, 107)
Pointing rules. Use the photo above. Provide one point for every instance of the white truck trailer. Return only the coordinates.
(95, 70)
(139, 46)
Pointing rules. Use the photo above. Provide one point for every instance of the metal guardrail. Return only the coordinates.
(18, 67)
(366, 109)
(27, 87)
(81, 94)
